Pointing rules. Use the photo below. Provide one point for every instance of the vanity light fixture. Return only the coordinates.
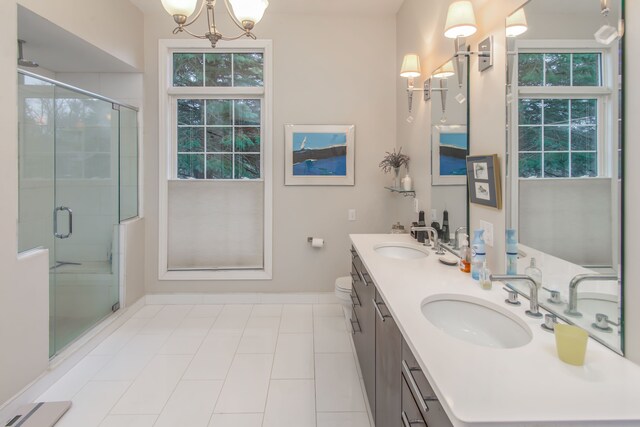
(461, 21)
(410, 69)
(245, 14)
(516, 23)
(460, 24)
(445, 71)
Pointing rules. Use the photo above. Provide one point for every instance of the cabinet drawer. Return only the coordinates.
(410, 415)
(422, 392)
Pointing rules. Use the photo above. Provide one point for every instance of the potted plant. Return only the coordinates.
(393, 162)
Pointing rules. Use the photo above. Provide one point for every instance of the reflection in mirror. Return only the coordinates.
(564, 157)
(449, 148)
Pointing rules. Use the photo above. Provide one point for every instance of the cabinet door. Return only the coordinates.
(388, 368)
(364, 330)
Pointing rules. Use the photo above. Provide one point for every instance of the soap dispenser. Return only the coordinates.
(512, 252)
(478, 253)
(534, 272)
(465, 255)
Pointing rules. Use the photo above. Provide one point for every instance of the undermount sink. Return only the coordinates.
(400, 250)
(476, 321)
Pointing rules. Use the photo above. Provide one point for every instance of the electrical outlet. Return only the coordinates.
(434, 215)
(416, 206)
(352, 214)
(488, 232)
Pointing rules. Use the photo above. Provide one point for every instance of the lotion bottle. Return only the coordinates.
(465, 255)
(478, 253)
(534, 272)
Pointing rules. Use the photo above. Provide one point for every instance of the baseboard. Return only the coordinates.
(68, 358)
(244, 298)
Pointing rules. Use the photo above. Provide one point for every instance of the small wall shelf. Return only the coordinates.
(409, 193)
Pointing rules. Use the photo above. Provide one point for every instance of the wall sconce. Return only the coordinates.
(460, 24)
(410, 69)
(445, 71)
(516, 23)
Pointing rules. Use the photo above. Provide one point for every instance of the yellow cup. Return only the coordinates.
(571, 342)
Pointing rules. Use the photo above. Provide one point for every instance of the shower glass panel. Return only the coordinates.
(75, 151)
(86, 213)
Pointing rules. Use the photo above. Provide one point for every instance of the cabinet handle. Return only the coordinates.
(406, 370)
(364, 279)
(407, 423)
(353, 326)
(355, 299)
(354, 254)
(380, 315)
(354, 277)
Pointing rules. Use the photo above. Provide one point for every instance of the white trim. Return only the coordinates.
(165, 94)
(64, 361)
(244, 298)
(546, 46)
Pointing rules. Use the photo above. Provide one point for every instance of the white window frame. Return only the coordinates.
(607, 122)
(168, 96)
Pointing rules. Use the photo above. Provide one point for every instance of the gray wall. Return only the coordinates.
(326, 71)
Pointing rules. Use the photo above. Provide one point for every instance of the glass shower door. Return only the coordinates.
(86, 214)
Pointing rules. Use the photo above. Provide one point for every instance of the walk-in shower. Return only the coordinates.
(78, 166)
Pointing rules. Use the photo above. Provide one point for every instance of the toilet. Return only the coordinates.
(343, 292)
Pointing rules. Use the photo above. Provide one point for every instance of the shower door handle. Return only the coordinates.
(55, 222)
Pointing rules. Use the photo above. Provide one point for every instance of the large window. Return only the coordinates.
(216, 194)
(559, 114)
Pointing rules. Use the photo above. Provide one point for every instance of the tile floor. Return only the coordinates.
(219, 366)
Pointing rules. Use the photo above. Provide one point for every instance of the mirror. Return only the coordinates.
(449, 148)
(564, 175)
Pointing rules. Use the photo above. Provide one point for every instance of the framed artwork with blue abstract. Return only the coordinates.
(319, 154)
(449, 149)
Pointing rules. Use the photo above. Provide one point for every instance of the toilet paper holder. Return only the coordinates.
(310, 240)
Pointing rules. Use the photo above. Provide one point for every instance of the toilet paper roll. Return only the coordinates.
(317, 242)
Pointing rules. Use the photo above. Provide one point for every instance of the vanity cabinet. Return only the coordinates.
(363, 324)
(398, 392)
(388, 367)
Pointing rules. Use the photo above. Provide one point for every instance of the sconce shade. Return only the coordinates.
(461, 21)
(179, 7)
(410, 66)
(445, 71)
(249, 10)
(516, 23)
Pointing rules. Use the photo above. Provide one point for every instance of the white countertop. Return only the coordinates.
(477, 385)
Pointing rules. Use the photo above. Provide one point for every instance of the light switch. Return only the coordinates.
(416, 205)
(488, 232)
(352, 214)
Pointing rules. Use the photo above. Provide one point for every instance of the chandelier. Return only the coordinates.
(245, 14)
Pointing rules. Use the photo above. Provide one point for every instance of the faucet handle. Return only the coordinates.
(602, 323)
(555, 296)
(550, 322)
(512, 297)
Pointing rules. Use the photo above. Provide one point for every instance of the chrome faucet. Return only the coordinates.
(456, 244)
(534, 308)
(572, 309)
(432, 234)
